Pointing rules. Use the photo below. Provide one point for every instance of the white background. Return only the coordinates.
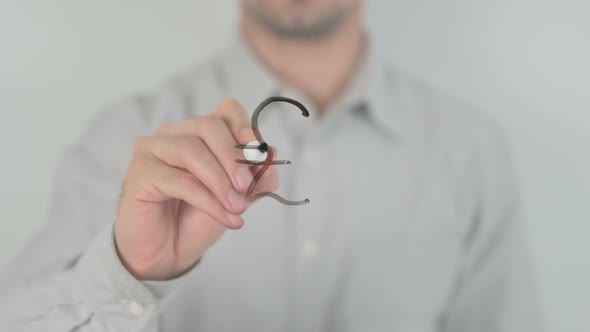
(526, 62)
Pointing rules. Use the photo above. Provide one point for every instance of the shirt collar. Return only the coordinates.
(375, 88)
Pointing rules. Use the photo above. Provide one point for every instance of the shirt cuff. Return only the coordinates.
(114, 296)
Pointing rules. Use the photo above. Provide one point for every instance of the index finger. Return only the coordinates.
(236, 119)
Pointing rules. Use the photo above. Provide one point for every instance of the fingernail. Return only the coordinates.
(235, 220)
(236, 200)
(243, 178)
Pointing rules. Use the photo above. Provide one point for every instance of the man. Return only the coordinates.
(413, 223)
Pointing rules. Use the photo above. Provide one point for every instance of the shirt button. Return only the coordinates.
(135, 308)
(310, 249)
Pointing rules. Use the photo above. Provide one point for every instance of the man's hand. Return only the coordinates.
(183, 188)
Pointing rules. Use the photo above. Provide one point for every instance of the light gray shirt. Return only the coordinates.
(414, 222)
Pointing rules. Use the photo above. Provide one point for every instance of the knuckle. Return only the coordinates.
(209, 121)
(189, 145)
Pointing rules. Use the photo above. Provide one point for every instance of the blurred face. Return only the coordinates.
(301, 19)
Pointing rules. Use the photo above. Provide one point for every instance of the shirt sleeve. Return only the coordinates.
(69, 276)
(496, 289)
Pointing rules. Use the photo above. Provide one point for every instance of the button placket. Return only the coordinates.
(308, 183)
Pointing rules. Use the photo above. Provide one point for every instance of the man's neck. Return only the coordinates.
(322, 69)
